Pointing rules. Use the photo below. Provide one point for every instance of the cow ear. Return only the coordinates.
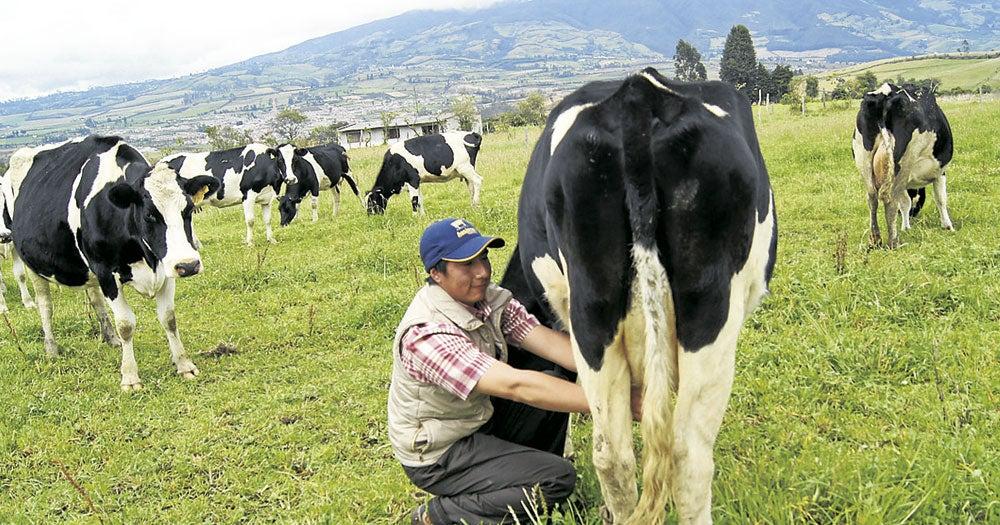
(198, 187)
(301, 152)
(123, 195)
(271, 152)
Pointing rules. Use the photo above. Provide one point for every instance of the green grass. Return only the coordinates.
(965, 73)
(868, 395)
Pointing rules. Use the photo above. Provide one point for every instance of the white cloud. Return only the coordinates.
(50, 46)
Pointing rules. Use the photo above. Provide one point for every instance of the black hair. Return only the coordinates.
(441, 266)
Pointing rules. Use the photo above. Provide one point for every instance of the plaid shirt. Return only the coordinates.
(441, 354)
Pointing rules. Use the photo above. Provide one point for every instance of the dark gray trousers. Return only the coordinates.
(482, 477)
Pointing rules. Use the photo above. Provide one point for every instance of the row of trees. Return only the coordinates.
(739, 67)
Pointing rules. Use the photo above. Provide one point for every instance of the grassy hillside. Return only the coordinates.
(866, 385)
(965, 73)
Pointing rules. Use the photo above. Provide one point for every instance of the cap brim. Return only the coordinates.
(471, 249)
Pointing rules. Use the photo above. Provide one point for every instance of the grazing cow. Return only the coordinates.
(647, 225)
(439, 157)
(902, 142)
(91, 212)
(316, 168)
(248, 175)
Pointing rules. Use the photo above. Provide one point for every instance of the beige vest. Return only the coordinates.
(424, 419)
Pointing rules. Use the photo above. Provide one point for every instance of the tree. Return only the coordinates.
(867, 82)
(325, 134)
(781, 81)
(387, 117)
(227, 137)
(464, 109)
(739, 60)
(531, 111)
(288, 124)
(965, 47)
(687, 63)
(812, 86)
(761, 83)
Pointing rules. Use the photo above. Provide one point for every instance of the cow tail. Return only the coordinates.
(642, 98)
(352, 184)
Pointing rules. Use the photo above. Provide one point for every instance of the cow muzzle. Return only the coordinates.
(4, 236)
(187, 269)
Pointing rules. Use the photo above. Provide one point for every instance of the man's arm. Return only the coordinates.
(551, 345)
(532, 388)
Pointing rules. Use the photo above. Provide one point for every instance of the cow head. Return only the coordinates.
(160, 206)
(376, 201)
(286, 154)
(288, 205)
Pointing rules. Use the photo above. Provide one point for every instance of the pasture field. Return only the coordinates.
(867, 385)
(965, 73)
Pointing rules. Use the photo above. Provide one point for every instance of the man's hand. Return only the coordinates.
(637, 403)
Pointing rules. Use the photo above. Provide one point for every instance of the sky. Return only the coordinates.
(48, 46)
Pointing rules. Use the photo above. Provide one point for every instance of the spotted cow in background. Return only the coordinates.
(248, 174)
(439, 157)
(902, 142)
(92, 213)
(316, 169)
(647, 226)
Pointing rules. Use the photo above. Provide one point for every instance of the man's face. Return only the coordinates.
(466, 282)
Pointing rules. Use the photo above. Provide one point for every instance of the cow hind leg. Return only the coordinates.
(265, 210)
(941, 199)
(125, 322)
(336, 199)
(314, 199)
(96, 300)
(891, 212)
(248, 217)
(904, 210)
(876, 236)
(44, 296)
(608, 393)
(20, 275)
(704, 384)
(168, 320)
(475, 183)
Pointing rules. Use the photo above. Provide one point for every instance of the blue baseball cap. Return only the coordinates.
(455, 240)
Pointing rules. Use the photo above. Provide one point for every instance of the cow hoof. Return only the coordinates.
(52, 351)
(132, 387)
(112, 341)
(189, 374)
(272, 241)
(30, 305)
(949, 227)
(606, 517)
(248, 243)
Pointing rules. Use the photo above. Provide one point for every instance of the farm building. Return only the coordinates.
(375, 133)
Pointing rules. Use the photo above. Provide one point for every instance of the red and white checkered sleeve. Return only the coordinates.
(516, 322)
(442, 355)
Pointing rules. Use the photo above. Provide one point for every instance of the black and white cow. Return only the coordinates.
(249, 174)
(902, 142)
(316, 168)
(439, 157)
(647, 225)
(91, 212)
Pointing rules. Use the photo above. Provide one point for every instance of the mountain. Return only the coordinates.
(419, 60)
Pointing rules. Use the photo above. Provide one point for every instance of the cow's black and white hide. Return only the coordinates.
(91, 212)
(438, 157)
(647, 225)
(6, 246)
(902, 142)
(246, 175)
(316, 169)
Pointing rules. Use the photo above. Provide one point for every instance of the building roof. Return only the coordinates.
(399, 122)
